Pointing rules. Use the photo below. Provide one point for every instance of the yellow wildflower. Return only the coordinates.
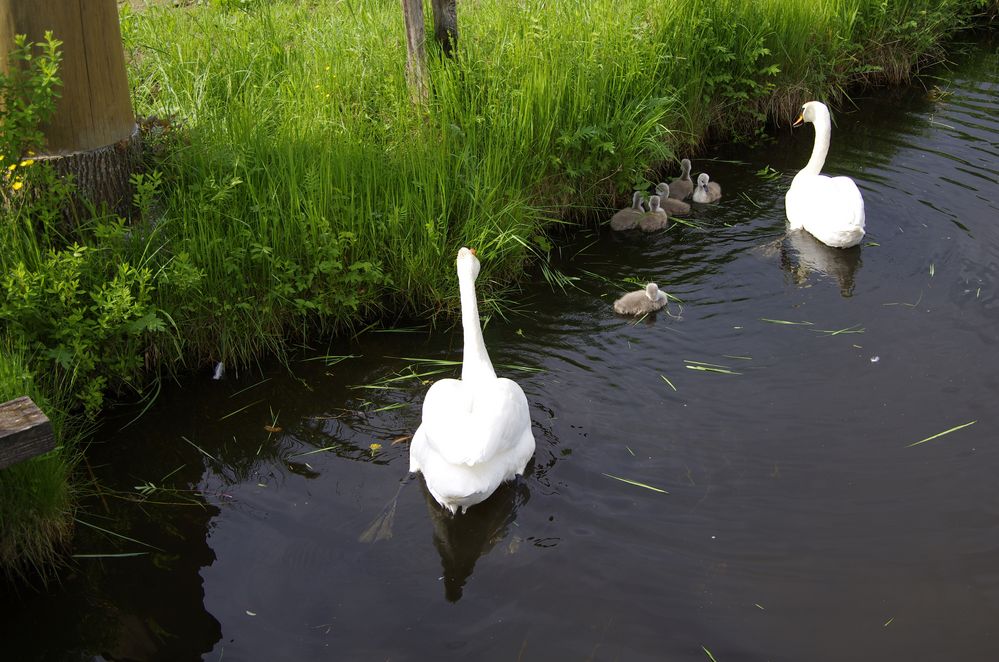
(17, 185)
(25, 164)
(375, 447)
(11, 167)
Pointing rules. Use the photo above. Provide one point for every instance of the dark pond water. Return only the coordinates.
(800, 522)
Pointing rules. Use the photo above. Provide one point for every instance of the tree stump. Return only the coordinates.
(93, 133)
(446, 25)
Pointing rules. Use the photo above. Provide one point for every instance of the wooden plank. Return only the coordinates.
(24, 431)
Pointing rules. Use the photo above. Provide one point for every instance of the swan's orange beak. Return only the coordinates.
(472, 251)
(800, 120)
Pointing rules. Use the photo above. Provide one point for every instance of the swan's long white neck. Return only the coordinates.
(823, 129)
(475, 363)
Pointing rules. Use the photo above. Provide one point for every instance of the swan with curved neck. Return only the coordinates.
(829, 208)
(476, 431)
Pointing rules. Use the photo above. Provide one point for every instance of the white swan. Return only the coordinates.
(654, 219)
(628, 218)
(641, 302)
(671, 204)
(706, 191)
(681, 187)
(476, 431)
(830, 208)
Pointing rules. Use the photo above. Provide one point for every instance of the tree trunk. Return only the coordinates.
(416, 54)
(93, 133)
(446, 25)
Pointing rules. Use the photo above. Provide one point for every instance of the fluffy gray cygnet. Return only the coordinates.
(706, 191)
(641, 302)
(668, 202)
(629, 217)
(681, 187)
(654, 219)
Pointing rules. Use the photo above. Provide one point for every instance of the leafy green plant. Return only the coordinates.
(91, 322)
(31, 192)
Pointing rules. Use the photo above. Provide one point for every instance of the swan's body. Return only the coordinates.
(682, 187)
(670, 204)
(706, 191)
(641, 302)
(654, 219)
(830, 208)
(476, 431)
(628, 218)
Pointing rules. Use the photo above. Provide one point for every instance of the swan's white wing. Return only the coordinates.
(830, 208)
(471, 423)
(850, 200)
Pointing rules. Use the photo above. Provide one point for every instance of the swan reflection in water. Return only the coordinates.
(462, 539)
(801, 255)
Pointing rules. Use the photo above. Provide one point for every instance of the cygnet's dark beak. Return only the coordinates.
(472, 251)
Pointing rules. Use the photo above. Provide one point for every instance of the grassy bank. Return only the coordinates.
(36, 496)
(295, 191)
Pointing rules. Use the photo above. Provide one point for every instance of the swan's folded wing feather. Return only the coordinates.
(472, 424)
(849, 198)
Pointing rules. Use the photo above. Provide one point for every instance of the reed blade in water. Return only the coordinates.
(940, 434)
(850, 329)
(116, 535)
(773, 321)
(637, 484)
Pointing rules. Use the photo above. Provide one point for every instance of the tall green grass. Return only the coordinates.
(311, 192)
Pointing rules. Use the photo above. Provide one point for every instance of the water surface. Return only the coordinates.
(800, 522)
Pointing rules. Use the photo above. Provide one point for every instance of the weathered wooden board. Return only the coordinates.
(24, 431)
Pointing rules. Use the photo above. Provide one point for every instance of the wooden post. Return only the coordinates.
(446, 25)
(93, 133)
(416, 54)
(24, 431)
